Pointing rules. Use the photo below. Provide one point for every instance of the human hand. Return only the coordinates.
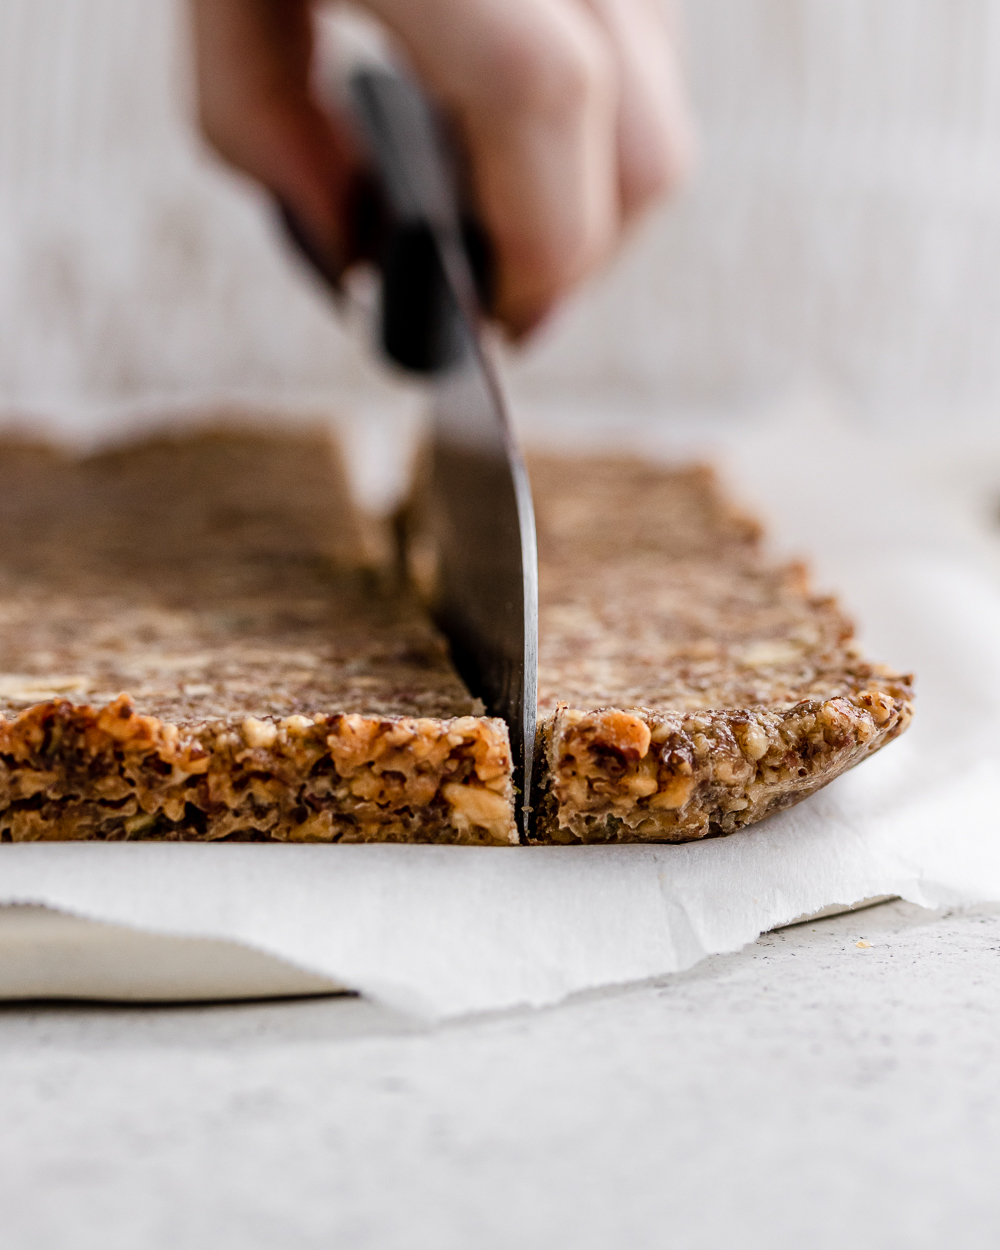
(571, 113)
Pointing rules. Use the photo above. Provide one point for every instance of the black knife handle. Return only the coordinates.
(417, 211)
(405, 209)
(420, 326)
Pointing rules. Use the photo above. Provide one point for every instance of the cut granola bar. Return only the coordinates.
(192, 646)
(688, 685)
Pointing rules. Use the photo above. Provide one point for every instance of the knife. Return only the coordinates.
(477, 516)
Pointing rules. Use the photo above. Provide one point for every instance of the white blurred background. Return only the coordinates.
(841, 237)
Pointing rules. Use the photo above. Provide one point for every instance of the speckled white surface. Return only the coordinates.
(806, 1092)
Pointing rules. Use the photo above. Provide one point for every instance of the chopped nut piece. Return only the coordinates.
(620, 731)
(675, 794)
(481, 807)
(259, 733)
(755, 741)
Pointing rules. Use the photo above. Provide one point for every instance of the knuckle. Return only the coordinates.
(214, 134)
(657, 162)
(551, 70)
(217, 128)
(650, 179)
(582, 71)
(543, 258)
(547, 265)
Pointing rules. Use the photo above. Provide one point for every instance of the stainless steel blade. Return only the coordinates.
(482, 525)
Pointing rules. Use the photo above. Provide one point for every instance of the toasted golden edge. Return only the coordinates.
(637, 775)
(75, 772)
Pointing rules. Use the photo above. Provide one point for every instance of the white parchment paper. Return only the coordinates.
(905, 534)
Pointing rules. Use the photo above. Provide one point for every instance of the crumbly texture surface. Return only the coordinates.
(193, 646)
(688, 684)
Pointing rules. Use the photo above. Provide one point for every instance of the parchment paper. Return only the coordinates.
(905, 534)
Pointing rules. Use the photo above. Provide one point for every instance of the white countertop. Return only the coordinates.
(804, 1092)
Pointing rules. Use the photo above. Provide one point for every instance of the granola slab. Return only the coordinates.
(193, 646)
(688, 684)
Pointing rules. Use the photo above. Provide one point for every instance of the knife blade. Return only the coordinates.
(477, 515)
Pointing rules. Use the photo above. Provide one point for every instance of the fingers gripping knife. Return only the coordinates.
(478, 520)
